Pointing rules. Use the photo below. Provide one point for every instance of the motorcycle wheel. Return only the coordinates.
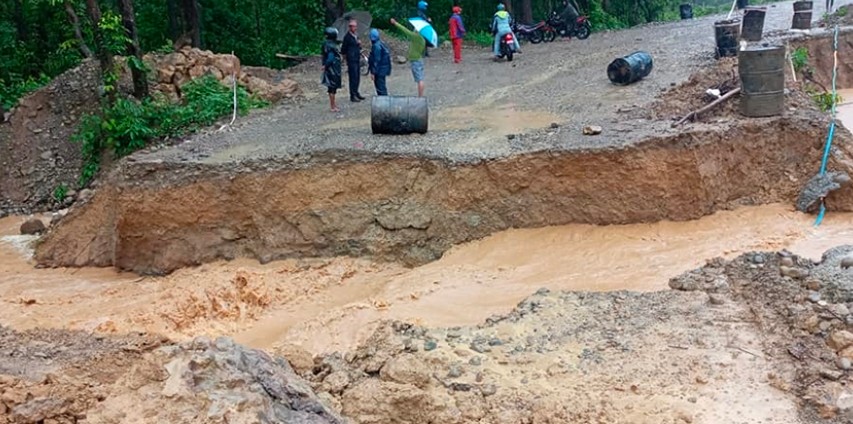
(536, 36)
(509, 56)
(583, 32)
(362, 66)
(549, 35)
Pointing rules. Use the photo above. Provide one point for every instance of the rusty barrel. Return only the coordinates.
(727, 33)
(762, 80)
(802, 15)
(686, 10)
(629, 69)
(753, 23)
(399, 115)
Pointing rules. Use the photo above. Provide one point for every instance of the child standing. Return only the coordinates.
(331, 66)
(457, 32)
(379, 63)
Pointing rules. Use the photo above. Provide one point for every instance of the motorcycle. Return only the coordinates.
(532, 33)
(556, 25)
(507, 47)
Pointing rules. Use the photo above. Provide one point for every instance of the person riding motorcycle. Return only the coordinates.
(569, 15)
(501, 26)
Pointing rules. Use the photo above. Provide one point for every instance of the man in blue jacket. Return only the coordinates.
(379, 63)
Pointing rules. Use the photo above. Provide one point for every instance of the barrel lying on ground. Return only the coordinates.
(762, 79)
(399, 115)
(753, 23)
(802, 15)
(629, 69)
(727, 33)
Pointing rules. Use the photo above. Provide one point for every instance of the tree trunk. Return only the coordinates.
(526, 11)
(192, 18)
(75, 23)
(174, 20)
(104, 56)
(257, 18)
(20, 21)
(128, 19)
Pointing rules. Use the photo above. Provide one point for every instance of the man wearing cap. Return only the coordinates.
(457, 32)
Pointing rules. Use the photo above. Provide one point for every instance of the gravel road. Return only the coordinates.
(483, 109)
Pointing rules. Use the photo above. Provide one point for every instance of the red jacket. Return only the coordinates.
(457, 29)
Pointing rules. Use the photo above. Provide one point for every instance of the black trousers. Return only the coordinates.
(354, 79)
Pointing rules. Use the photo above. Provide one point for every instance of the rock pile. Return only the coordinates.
(176, 69)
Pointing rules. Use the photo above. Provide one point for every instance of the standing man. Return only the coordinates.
(422, 13)
(351, 50)
(417, 45)
(457, 32)
(379, 63)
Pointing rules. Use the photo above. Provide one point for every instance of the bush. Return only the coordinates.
(481, 38)
(12, 91)
(129, 125)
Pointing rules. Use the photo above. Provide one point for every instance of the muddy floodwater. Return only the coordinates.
(329, 304)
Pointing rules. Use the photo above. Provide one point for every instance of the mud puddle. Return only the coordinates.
(329, 304)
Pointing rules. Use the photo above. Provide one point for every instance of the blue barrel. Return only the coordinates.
(686, 10)
(742, 4)
(629, 69)
(399, 115)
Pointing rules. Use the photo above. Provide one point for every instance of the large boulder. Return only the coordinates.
(217, 381)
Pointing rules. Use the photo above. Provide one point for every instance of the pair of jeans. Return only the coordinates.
(354, 79)
(379, 83)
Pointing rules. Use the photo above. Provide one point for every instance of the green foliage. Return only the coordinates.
(841, 11)
(480, 38)
(60, 192)
(800, 58)
(129, 125)
(12, 91)
(825, 101)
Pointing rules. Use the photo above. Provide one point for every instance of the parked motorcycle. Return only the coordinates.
(507, 47)
(555, 25)
(532, 33)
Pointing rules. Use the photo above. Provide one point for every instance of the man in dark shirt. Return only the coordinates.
(351, 49)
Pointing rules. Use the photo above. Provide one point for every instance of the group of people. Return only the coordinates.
(379, 60)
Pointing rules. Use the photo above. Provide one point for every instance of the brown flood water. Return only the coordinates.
(329, 304)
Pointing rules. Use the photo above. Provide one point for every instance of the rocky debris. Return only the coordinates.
(32, 227)
(818, 187)
(36, 155)
(401, 59)
(61, 376)
(711, 278)
(175, 69)
(592, 130)
(836, 282)
(211, 377)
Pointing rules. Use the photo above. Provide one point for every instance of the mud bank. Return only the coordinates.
(156, 217)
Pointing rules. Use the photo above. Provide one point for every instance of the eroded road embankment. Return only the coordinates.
(158, 217)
